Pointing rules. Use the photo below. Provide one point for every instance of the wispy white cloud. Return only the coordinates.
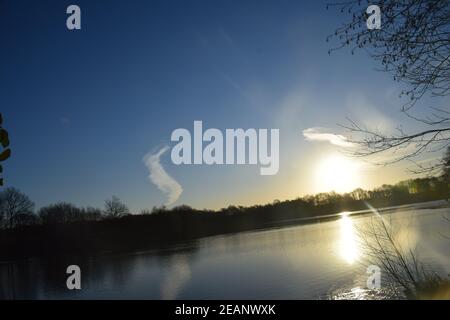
(321, 134)
(161, 178)
(389, 156)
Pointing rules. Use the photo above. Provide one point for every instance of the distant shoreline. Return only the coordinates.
(435, 204)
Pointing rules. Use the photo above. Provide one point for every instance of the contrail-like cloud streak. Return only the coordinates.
(158, 176)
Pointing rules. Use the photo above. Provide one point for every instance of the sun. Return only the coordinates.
(337, 173)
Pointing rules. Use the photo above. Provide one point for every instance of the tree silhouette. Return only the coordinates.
(114, 208)
(4, 141)
(60, 213)
(413, 45)
(26, 219)
(14, 204)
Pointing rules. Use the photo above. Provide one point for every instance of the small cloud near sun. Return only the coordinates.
(321, 134)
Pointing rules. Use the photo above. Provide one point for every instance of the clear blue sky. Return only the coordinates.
(84, 107)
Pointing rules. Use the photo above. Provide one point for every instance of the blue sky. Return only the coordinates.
(84, 107)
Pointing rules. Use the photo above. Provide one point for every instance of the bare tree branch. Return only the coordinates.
(413, 45)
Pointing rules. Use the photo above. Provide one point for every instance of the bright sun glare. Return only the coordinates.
(337, 173)
(348, 246)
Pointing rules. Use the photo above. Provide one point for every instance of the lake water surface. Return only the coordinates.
(313, 261)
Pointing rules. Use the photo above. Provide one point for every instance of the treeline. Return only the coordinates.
(17, 210)
(66, 229)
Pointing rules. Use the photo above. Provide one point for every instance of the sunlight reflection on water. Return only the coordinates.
(348, 244)
(358, 293)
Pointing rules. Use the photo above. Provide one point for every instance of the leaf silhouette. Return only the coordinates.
(4, 138)
(5, 155)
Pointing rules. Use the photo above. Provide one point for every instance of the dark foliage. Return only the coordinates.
(4, 142)
(14, 207)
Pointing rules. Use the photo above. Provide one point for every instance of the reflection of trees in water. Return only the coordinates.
(23, 280)
(46, 278)
(6, 279)
(33, 279)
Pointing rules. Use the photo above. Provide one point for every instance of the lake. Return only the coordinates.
(312, 261)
